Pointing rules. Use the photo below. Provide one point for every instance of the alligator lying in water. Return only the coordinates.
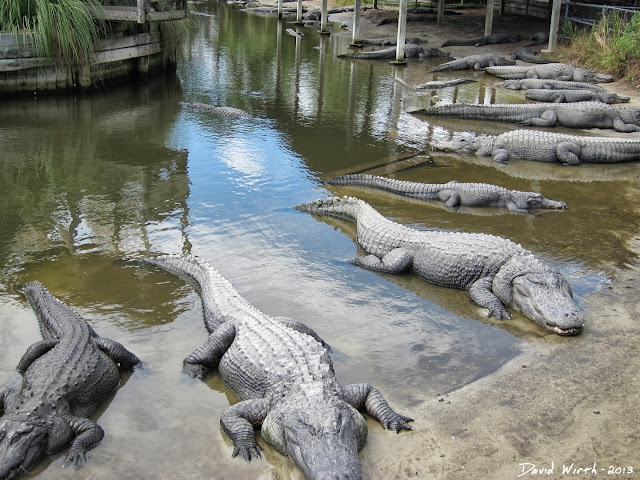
(557, 71)
(65, 377)
(497, 272)
(283, 374)
(571, 96)
(539, 146)
(570, 115)
(455, 194)
(225, 112)
(473, 62)
(436, 84)
(410, 51)
(548, 84)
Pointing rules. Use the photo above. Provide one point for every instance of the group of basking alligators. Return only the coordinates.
(280, 368)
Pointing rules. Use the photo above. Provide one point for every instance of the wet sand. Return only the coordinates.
(569, 407)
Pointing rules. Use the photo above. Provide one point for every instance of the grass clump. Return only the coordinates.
(175, 33)
(612, 45)
(63, 30)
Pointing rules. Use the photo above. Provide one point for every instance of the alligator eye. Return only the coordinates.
(2, 434)
(14, 438)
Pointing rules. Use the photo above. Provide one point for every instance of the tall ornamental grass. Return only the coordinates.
(63, 30)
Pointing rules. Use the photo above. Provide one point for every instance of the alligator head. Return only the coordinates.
(464, 145)
(612, 98)
(525, 284)
(533, 200)
(322, 437)
(22, 446)
(596, 77)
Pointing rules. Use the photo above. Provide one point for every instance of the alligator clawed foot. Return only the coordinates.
(399, 422)
(195, 370)
(76, 459)
(247, 452)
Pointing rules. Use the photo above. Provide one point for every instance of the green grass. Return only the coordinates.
(175, 32)
(611, 46)
(63, 30)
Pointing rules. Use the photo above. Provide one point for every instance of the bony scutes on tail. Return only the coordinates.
(498, 273)
(283, 374)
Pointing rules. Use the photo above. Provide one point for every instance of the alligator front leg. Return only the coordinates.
(239, 423)
(482, 295)
(117, 352)
(87, 435)
(620, 126)
(398, 260)
(548, 118)
(206, 357)
(35, 351)
(363, 395)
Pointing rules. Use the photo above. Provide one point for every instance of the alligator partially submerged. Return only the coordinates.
(410, 51)
(455, 194)
(539, 146)
(225, 112)
(571, 96)
(494, 38)
(498, 273)
(65, 377)
(549, 84)
(283, 374)
(557, 71)
(436, 84)
(570, 115)
(529, 55)
(473, 62)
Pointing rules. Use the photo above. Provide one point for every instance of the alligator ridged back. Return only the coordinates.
(219, 299)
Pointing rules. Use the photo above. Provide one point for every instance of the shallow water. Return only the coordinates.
(91, 182)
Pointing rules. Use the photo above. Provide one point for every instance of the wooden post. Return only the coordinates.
(402, 30)
(279, 8)
(553, 29)
(323, 20)
(299, 14)
(488, 24)
(440, 12)
(356, 22)
(141, 10)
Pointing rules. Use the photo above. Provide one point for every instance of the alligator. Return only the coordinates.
(494, 38)
(538, 39)
(539, 146)
(225, 112)
(410, 51)
(388, 41)
(473, 62)
(455, 194)
(557, 71)
(549, 84)
(283, 374)
(571, 96)
(435, 84)
(529, 55)
(65, 377)
(570, 115)
(498, 273)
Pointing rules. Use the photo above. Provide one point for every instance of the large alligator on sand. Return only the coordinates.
(570, 115)
(556, 71)
(410, 51)
(572, 96)
(65, 377)
(548, 84)
(473, 62)
(282, 372)
(494, 38)
(529, 55)
(225, 112)
(539, 146)
(497, 272)
(455, 194)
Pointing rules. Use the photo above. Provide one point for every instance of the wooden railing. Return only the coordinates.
(141, 11)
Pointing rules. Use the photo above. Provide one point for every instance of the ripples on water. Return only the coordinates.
(91, 182)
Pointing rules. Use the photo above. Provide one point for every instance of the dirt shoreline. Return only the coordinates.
(569, 407)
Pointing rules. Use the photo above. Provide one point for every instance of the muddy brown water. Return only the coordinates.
(89, 183)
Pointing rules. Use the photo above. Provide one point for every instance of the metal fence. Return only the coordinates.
(591, 13)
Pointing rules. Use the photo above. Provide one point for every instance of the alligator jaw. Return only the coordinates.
(568, 332)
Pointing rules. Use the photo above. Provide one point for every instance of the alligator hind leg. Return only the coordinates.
(398, 260)
(568, 153)
(450, 198)
(620, 126)
(239, 423)
(302, 328)
(35, 351)
(207, 356)
(549, 118)
(117, 352)
(363, 395)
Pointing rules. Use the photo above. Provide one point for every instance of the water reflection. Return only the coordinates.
(89, 181)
